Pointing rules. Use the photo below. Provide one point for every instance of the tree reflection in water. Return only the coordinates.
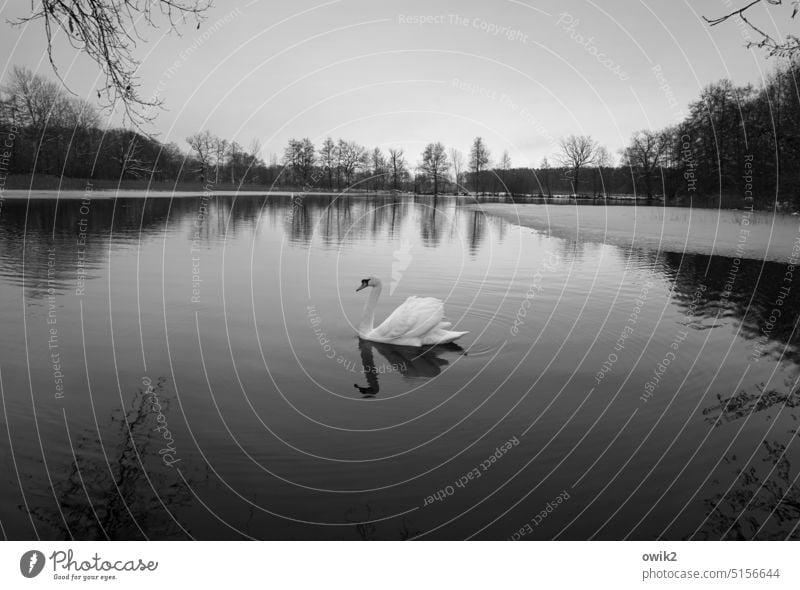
(764, 502)
(369, 527)
(744, 404)
(111, 496)
(747, 296)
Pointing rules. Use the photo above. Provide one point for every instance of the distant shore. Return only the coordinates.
(757, 235)
(141, 193)
(49, 187)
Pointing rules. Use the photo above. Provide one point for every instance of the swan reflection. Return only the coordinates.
(410, 361)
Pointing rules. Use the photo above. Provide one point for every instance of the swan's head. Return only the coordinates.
(369, 282)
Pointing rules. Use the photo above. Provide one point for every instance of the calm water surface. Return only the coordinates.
(190, 369)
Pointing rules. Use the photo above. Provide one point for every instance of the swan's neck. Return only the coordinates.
(368, 316)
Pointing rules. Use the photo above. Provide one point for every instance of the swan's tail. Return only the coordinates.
(443, 336)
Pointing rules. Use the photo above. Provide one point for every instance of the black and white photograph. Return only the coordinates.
(351, 270)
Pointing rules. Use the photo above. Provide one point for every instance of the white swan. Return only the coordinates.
(419, 321)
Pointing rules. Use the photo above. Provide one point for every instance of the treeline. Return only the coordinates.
(735, 143)
(61, 135)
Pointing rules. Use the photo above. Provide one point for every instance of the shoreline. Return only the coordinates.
(97, 193)
(750, 234)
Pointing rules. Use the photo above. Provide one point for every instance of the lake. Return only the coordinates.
(189, 368)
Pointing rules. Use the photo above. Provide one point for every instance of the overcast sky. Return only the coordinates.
(521, 74)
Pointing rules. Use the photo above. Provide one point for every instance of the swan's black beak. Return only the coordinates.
(364, 285)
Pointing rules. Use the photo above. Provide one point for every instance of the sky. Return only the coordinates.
(520, 73)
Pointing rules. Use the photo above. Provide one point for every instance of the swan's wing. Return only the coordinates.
(415, 317)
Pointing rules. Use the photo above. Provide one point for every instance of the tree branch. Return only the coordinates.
(108, 31)
(787, 48)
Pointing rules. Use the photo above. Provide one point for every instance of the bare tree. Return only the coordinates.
(221, 147)
(351, 157)
(169, 159)
(327, 157)
(203, 144)
(434, 163)
(300, 155)
(236, 161)
(253, 162)
(32, 98)
(38, 103)
(478, 160)
(576, 152)
(45, 114)
(788, 47)
(255, 149)
(602, 159)
(398, 169)
(108, 31)
(378, 163)
(457, 162)
(127, 152)
(644, 155)
(77, 113)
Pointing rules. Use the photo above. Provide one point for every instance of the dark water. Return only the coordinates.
(190, 369)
